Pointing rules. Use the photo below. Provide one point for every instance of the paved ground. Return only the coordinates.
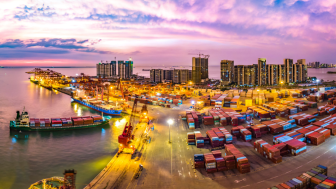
(169, 165)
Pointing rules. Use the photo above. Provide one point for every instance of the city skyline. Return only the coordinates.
(170, 33)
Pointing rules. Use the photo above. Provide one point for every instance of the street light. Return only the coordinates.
(317, 81)
(281, 84)
(170, 121)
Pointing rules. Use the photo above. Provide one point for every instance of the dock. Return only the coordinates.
(123, 166)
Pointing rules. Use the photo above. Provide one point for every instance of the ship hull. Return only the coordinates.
(108, 112)
(34, 81)
(62, 128)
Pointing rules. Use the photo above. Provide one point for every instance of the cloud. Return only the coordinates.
(54, 44)
(12, 44)
(124, 27)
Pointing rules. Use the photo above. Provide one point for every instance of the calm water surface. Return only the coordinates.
(28, 157)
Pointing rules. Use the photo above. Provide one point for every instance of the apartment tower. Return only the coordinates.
(262, 72)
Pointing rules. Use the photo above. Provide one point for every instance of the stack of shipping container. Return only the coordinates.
(217, 137)
(191, 138)
(268, 151)
(241, 161)
(317, 178)
(56, 122)
(242, 132)
(215, 162)
(65, 122)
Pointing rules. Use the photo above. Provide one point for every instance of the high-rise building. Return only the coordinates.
(114, 68)
(288, 70)
(281, 74)
(250, 75)
(262, 72)
(184, 75)
(121, 69)
(239, 74)
(273, 73)
(190, 75)
(125, 69)
(314, 64)
(156, 75)
(180, 75)
(204, 68)
(167, 75)
(227, 71)
(128, 69)
(104, 70)
(196, 70)
(176, 76)
(300, 71)
(245, 75)
(100, 70)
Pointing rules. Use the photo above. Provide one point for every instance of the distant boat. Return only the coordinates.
(145, 69)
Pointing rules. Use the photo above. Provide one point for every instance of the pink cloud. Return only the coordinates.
(175, 27)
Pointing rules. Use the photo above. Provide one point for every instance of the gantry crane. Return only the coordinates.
(125, 140)
(122, 89)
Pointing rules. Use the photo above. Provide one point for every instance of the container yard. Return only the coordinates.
(222, 139)
(271, 133)
(317, 177)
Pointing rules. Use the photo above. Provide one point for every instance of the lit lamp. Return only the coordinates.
(170, 121)
(317, 81)
(281, 84)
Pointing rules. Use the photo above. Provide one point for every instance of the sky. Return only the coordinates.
(167, 32)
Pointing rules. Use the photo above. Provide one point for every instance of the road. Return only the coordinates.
(118, 169)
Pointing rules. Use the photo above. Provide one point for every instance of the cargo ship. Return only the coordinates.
(97, 108)
(331, 72)
(24, 123)
(33, 80)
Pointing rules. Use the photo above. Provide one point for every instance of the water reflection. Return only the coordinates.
(120, 123)
(27, 157)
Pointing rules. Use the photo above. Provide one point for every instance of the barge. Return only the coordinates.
(97, 108)
(24, 123)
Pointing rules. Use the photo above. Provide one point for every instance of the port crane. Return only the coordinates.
(127, 136)
(126, 139)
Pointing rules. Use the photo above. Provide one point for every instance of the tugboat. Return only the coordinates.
(66, 182)
(22, 122)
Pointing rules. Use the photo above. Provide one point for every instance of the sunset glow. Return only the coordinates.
(152, 32)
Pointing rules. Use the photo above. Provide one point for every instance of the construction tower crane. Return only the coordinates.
(200, 55)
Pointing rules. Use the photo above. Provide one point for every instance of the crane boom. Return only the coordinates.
(127, 134)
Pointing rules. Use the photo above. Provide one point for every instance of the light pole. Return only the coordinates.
(170, 121)
(281, 84)
(317, 81)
